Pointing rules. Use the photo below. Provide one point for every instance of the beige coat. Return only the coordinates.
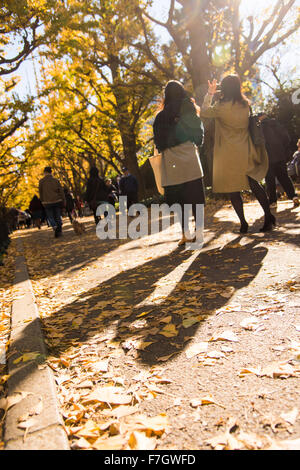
(235, 156)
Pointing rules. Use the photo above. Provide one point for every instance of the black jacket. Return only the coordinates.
(35, 205)
(186, 127)
(277, 140)
(128, 184)
(69, 201)
(96, 190)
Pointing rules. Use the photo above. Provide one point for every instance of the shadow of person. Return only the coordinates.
(179, 307)
(154, 310)
(287, 221)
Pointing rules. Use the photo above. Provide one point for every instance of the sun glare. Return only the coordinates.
(253, 7)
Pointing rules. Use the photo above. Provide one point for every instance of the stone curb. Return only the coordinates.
(39, 406)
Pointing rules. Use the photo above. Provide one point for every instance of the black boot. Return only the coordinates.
(244, 227)
(58, 232)
(270, 222)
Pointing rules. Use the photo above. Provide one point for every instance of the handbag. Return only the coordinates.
(156, 164)
(255, 130)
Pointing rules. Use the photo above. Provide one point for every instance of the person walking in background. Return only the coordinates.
(178, 130)
(36, 210)
(12, 219)
(277, 145)
(28, 218)
(53, 199)
(129, 187)
(112, 192)
(96, 192)
(238, 165)
(70, 204)
(79, 206)
(117, 182)
(294, 165)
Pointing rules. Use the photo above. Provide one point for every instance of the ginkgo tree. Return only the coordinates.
(106, 66)
(77, 126)
(100, 41)
(25, 25)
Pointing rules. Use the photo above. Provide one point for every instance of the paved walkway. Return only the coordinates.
(153, 346)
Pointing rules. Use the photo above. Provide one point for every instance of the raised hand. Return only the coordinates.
(212, 87)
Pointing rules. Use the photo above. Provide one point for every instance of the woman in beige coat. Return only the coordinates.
(237, 165)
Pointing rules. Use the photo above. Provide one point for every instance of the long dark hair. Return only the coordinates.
(231, 90)
(174, 95)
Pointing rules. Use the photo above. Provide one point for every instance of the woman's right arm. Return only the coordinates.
(207, 110)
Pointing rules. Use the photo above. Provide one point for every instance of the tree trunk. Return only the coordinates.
(125, 126)
(130, 158)
(200, 72)
(200, 63)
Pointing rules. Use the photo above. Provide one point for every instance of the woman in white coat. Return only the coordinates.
(237, 164)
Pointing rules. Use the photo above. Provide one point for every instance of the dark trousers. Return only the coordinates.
(53, 213)
(69, 213)
(96, 218)
(279, 170)
(189, 193)
(132, 198)
(261, 196)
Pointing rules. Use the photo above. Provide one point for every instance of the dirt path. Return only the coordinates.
(159, 347)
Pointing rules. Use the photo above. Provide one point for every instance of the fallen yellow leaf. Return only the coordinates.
(139, 441)
(169, 331)
(112, 395)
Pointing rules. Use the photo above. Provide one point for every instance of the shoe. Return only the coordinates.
(269, 223)
(185, 240)
(244, 227)
(58, 232)
(296, 201)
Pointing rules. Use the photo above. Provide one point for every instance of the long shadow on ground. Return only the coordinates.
(155, 309)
